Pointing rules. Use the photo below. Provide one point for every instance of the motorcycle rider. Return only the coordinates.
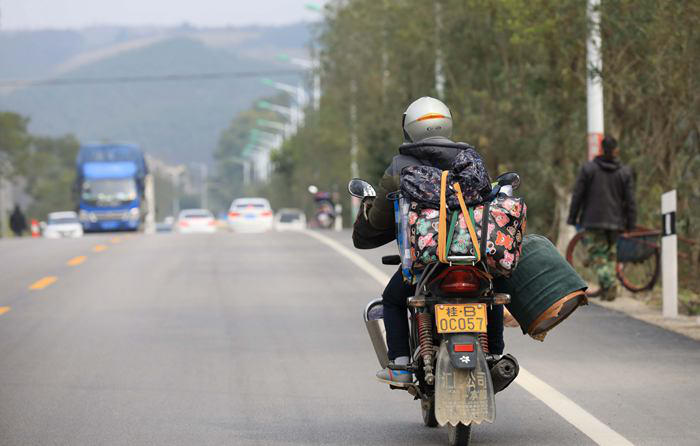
(427, 127)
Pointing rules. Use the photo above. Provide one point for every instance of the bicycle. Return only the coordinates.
(638, 259)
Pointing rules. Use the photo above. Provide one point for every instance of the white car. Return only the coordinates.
(191, 221)
(290, 220)
(250, 215)
(63, 224)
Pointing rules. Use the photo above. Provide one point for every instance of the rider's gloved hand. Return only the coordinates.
(366, 205)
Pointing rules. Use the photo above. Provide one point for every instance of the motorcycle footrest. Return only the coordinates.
(407, 368)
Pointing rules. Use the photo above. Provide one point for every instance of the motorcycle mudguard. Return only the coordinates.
(463, 395)
(462, 350)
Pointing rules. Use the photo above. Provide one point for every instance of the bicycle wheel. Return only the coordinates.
(639, 276)
(577, 256)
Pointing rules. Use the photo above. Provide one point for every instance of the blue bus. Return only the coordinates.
(110, 187)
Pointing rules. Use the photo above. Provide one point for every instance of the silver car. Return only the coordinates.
(196, 221)
(250, 215)
(290, 220)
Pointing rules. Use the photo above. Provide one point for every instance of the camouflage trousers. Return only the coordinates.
(601, 258)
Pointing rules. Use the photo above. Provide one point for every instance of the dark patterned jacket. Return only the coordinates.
(603, 196)
(379, 227)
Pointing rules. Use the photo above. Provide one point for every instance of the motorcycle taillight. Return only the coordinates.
(460, 279)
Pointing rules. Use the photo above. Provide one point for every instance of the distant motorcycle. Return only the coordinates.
(325, 208)
(456, 377)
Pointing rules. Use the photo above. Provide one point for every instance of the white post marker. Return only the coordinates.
(669, 255)
(594, 82)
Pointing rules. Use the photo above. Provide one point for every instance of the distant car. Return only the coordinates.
(290, 220)
(63, 224)
(191, 221)
(250, 215)
(166, 225)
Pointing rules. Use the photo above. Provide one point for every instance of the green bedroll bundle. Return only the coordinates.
(544, 288)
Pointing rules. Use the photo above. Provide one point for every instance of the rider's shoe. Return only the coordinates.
(397, 378)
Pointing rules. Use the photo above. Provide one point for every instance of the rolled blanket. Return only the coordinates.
(544, 288)
(422, 183)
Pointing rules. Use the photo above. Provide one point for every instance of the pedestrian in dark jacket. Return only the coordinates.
(18, 224)
(603, 204)
(427, 127)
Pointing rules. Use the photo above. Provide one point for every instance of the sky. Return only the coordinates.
(36, 14)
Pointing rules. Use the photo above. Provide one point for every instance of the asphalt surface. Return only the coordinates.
(258, 339)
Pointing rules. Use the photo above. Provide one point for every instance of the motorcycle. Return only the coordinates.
(325, 208)
(456, 378)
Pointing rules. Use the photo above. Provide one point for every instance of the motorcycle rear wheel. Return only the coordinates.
(459, 435)
(428, 412)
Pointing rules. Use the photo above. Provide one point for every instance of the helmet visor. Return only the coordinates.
(406, 136)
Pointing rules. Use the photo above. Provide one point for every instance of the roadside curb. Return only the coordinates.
(688, 326)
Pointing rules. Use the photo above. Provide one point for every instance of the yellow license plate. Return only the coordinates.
(464, 318)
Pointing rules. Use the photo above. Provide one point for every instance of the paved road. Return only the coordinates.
(258, 339)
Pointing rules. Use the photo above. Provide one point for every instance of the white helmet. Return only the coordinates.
(426, 117)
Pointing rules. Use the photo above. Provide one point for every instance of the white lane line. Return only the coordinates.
(354, 257)
(577, 416)
(596, 430)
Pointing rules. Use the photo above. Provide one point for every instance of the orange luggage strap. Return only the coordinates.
(468, 220)
(442, 224)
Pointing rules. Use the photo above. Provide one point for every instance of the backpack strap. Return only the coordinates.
(470, 224)
(442, 224)
(454, 221)
(485, 225)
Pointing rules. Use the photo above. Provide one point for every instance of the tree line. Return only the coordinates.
(515, 74)
(515, 80)
(42, 167)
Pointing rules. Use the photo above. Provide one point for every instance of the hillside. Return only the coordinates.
(178, 121)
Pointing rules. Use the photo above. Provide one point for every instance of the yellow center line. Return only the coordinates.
(75, 261)
(116, 240)
(99, 248)
(43, 283)
(4, 310)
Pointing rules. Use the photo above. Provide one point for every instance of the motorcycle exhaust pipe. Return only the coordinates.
(374, 321)
(504, 372)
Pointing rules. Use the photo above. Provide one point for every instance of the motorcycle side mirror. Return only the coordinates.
(511, 179)
(361, 188)
(313, 189)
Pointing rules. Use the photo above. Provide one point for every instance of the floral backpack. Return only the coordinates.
(440, 218)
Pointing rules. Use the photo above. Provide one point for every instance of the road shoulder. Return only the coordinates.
(686, 325)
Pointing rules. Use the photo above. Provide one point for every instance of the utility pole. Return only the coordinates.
(175, 173)
(594, 81)
(439, 59)
(3, 205)
(314, 65)
(284, 111)
(204, 178)
(150, 195)
(4, 201)
(354, 146)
